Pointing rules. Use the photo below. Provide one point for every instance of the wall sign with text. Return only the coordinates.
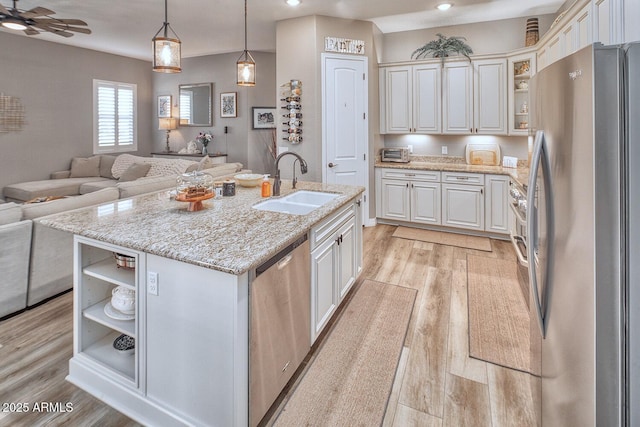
(342, 45)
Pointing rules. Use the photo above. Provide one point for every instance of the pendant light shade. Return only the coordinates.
(166, 48)
(246, 65)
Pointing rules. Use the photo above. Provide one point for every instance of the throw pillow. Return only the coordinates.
(81, 168)
(106, 162)
(135, 171)
(203, 164)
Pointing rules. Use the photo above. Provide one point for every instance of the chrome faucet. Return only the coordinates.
(276, 178)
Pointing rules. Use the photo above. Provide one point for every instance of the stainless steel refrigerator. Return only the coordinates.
(583, 235)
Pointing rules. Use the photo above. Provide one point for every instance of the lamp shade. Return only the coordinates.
(169, 123)
(166, 55)
(246, 70)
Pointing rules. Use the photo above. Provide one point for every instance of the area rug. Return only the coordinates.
(350, 379)
(450, 239)
(498, 314)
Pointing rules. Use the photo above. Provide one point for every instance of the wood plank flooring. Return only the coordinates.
(436, 383)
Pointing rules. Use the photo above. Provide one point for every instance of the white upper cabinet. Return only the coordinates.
(398, 93)
(457, 99)
(475, 97)
(426, 98)
(411, 99)
(490, 96)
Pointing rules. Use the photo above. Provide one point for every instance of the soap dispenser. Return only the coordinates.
(266, 186)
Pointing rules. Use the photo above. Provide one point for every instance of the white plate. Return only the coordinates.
(117, 315)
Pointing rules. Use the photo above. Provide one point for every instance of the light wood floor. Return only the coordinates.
(436, 384)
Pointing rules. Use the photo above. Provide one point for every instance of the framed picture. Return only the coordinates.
(228, 106)
(164, 106)
(264, 117)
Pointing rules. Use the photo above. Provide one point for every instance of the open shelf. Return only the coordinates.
(108, 271)
(103, 352)
(97, 314)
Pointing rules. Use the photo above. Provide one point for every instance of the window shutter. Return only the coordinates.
(114, 117)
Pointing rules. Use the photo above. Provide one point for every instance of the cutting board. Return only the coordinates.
(483, 154)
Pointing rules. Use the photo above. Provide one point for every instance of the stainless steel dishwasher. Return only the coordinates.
(279, 324)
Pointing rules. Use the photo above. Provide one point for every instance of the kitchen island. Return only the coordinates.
(193, 274)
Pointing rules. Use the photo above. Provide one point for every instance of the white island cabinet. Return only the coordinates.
(195, 326)
(190, 362)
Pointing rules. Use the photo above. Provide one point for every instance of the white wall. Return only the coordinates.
(483, 37)
(631, 15)
(241, 143)
(55, 85)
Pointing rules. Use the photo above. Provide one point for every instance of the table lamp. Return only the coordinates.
(168, 124)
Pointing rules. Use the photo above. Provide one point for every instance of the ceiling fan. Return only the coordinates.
(37, 20)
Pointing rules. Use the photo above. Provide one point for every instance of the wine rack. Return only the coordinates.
(290, 97)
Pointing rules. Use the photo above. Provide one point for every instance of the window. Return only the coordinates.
(114, 117)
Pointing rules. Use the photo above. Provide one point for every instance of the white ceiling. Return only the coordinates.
(126, 27)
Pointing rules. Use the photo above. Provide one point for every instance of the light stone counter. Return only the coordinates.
(457, 164)
(228, 235)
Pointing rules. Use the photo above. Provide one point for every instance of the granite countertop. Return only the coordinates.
(228, 235)
(458, 164)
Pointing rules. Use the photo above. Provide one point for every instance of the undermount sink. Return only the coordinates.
(298, 203)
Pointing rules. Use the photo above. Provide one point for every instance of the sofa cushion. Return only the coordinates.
(135, 171)
(90, 187)
(159, 167)
(106, 163)
(81, 167)
(47, 188)
(224, 169)
(203, 164)
(36, 210)
(145, 185)
(10, 212)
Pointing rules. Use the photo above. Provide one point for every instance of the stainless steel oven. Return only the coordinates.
(518, 232)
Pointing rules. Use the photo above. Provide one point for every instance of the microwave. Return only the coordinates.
(400, 155)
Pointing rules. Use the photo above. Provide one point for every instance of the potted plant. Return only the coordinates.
(442, 47)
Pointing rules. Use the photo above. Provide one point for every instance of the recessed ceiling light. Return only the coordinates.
(292, 2)
(444, 6)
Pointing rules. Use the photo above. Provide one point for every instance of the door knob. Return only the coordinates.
(332, 165)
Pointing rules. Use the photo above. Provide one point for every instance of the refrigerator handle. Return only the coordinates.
(532, 224)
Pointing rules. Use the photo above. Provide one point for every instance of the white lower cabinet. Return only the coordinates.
(189, 365)
(462, 200)
(409, 195)
(334, 265)
(496, 203)
(463, 206)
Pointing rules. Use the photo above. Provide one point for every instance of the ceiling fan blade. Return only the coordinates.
(3, 10)
(37, 11)
(68, 21)
(31, 32)
(53, 30)
(68, 28)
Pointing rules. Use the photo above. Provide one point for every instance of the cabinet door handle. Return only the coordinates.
(359, 202)
(407, 185)
(481, 191)
(332, 165)
(462, 178)
(409, 174)
(412, 185)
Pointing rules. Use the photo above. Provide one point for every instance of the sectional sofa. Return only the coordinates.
(37, 261)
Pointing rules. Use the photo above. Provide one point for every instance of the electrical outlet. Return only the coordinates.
(445, 149)
(410, 147)
(282, 150)
(152, 283)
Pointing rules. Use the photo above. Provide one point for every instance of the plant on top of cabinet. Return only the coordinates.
(442, 47)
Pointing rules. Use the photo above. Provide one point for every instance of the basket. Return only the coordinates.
(125, 261)
(531, 36)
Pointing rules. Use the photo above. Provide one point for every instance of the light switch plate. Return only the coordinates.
(152, 283)
(445, 149)
(410, 147)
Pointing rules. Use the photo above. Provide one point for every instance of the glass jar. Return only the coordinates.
(193, 185)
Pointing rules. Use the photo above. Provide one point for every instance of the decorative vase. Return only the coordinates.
(531, 35)
(204, 150)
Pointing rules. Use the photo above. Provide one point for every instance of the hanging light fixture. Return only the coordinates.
(246, 64)
(166, 49)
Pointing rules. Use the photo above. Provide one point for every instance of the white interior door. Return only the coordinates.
(345, 122)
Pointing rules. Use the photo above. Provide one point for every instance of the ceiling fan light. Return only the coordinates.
(14, 24)
(292, 2)
(246, 70)
(444, 6)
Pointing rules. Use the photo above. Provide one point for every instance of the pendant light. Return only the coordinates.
(166, 48)
(246, 64)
